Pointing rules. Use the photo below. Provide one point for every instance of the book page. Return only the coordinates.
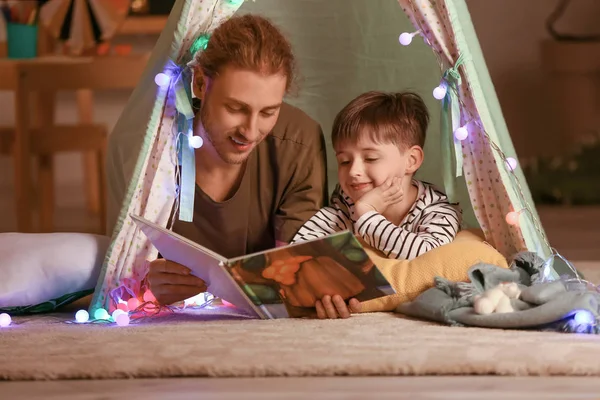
(287, 281)
(205, 264)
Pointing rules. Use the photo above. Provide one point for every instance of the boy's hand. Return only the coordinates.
(334, 307)
(380, 198)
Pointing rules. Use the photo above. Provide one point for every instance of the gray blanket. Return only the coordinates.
(566, 305)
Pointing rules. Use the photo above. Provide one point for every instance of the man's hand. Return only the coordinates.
(335, 307)
(380, 198)
(171, 282)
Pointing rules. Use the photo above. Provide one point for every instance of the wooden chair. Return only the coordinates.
(41, 79)
(135, 25)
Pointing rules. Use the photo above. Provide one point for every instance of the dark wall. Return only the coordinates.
(156, 7)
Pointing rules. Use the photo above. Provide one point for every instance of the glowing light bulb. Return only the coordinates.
(201, 43)
(546, 272)
(116, 313)
(196, 142)
(512, 218)
(440, 92)
(189, 302)
(148, 296)
(101, 313)
(200, 298)
(546, 269)
(461, 133)
(123, 306)
(122, 319)
(4, 320)
(133, 303)
(162, 80)
(82, 316)
(584, 317)
(405, 38)
(511, 163)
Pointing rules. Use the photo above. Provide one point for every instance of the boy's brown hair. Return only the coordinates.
(397, 118)
(248, 42)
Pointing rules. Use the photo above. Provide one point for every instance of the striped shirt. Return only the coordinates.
(431, 222)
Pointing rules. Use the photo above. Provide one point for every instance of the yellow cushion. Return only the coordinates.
(451, 261)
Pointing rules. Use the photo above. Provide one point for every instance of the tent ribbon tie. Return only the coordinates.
(185, 152)
(185, 126)
(452, 155)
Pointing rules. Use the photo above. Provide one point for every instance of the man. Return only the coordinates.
(261, 172)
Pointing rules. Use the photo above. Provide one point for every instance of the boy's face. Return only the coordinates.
(366, 164)
(239, 109)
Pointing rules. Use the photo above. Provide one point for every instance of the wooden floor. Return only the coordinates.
(574, 232)
(381, 388)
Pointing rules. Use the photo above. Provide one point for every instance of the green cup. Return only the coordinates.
(22, 40)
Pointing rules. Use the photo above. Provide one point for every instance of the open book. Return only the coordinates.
(282, 282)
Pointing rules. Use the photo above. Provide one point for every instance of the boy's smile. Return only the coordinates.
(361, 187)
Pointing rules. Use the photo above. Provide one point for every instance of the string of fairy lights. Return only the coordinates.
(462, 133)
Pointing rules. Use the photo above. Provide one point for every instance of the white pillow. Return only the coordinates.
(38, 267)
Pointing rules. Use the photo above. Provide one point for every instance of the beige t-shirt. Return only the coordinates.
(284, 184)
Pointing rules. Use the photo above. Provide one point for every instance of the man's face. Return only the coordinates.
(239, 109)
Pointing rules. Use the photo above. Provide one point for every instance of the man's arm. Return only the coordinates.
(306, 192)
(438, 226)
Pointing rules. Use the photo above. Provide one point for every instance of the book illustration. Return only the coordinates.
(288, 281)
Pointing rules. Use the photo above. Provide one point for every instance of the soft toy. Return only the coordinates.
(497, 299)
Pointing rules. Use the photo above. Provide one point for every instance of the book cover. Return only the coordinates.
(282, 282)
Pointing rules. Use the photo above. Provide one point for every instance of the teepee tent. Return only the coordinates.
(344, 47)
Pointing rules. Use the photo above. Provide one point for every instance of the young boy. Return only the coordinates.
(378, 139)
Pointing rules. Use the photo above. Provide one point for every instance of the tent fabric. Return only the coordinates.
(490, 114)
(152, 190)
(485, 169)
(344, 47)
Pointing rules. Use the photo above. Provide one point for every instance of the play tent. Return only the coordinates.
(344, 47)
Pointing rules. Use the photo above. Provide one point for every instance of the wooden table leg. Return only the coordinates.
(22, 157)
(90, 159)
(45, 108)
(101, 171)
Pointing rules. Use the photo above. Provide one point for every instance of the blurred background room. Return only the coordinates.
(543, 57)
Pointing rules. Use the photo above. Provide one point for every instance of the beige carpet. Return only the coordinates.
(211, 345)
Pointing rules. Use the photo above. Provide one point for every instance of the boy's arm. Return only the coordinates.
(326, 221)
(438, 226)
